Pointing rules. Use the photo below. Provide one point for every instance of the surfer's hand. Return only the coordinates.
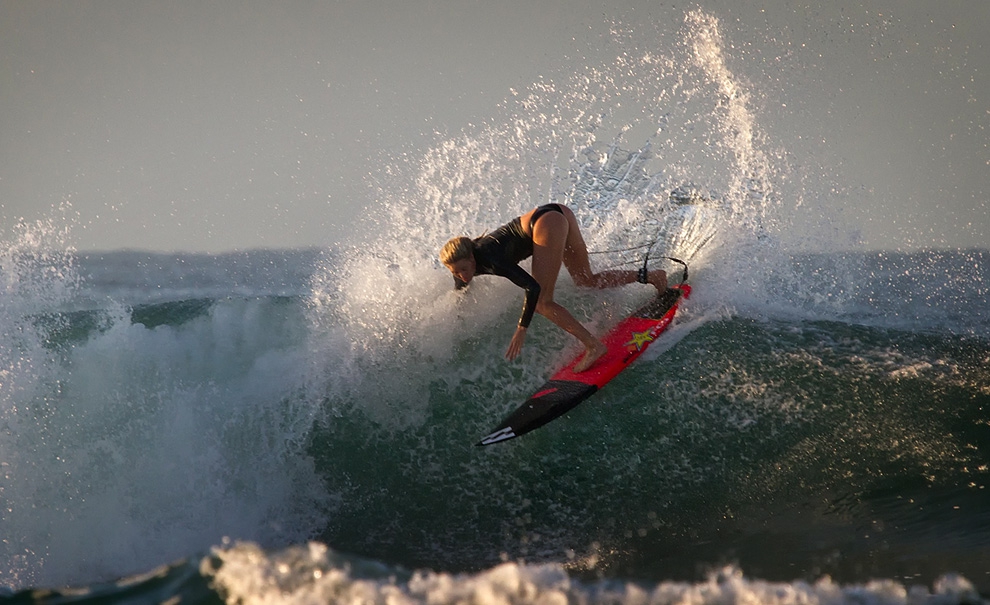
(516, 344)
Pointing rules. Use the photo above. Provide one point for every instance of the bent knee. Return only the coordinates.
(546, 307)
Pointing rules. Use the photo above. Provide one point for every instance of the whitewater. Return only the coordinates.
(298, 426)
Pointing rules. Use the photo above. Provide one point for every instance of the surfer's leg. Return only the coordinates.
(550, 235)
(578, 264)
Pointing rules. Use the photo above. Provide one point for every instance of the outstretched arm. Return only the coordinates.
(524, 280)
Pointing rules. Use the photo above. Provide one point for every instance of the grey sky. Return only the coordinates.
(231, 125)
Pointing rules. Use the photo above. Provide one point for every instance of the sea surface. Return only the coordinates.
(299, 426)
(215, 414)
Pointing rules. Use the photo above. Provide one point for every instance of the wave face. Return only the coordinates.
(301, 424)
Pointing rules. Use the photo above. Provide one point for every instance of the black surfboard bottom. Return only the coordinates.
(554, 399)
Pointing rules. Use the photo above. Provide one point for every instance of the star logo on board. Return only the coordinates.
(640, 340)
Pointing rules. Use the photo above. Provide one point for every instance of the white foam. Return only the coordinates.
(245, 574)
(141, 445)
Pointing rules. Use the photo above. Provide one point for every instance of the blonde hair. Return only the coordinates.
(456, 249)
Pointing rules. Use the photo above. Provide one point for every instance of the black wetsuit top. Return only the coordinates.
(501, 251)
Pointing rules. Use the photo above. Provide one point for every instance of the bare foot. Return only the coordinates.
(658, 279)
(590, 357)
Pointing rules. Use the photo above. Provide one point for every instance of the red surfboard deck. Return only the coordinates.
(566, 389)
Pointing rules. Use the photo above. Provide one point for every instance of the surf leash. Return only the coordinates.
(643, 274)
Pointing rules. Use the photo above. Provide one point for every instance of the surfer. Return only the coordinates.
(551, 235)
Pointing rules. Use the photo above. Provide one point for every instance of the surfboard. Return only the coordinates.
(566, 389)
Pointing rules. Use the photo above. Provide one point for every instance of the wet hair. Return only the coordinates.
(458, 248)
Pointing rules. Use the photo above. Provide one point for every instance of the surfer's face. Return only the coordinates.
(463, 269)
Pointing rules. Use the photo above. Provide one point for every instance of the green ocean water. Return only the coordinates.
(789, 449)
(799, 448)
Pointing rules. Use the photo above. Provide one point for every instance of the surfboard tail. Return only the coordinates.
(500, 435)
(550, 401)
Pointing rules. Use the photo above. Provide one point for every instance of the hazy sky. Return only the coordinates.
(231, 125)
